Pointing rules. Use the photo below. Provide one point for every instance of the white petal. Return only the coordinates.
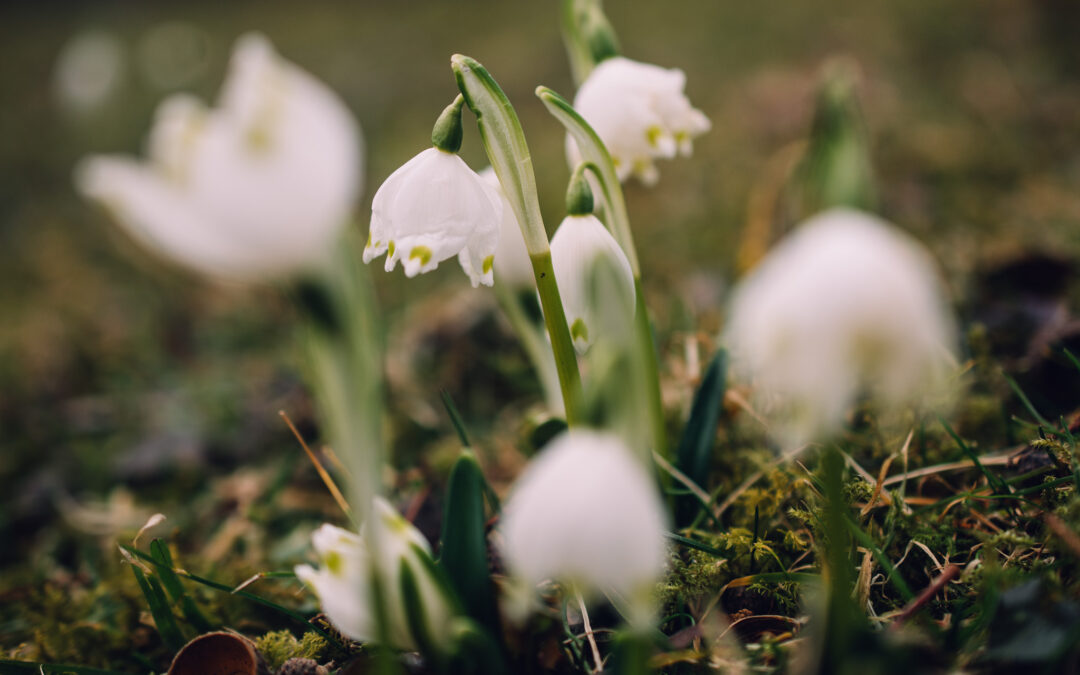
(846, 303)
(585, 512)
(513, 265)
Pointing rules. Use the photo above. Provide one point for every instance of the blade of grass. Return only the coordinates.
(159, 609)
(1027, 402)
(160, 552)
(455, 417)
(1000, 486)
(209, 583)
(694, 455)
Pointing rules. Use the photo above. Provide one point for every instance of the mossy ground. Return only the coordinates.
(128, 388)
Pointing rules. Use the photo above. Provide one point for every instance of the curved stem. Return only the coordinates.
(532, 341)
(504, 142)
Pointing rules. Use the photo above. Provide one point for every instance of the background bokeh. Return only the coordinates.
(129, 384)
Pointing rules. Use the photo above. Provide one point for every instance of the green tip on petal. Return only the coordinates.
(334, 563)
(421, 252)
(391, 247)
(579, 330)
(579, 196)
(489, 263)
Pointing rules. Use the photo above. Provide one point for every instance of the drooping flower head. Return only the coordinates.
(640, 113)
(435, 207)
(343, 580)
(847, 304)
(260, 185)
(585, 512)
(580, 250)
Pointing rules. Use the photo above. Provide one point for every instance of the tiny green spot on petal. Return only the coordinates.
(368, 244)
(489, 262)
(578, 330)
(334, 563)
(421, 252)
(653, 134)
(391, 247)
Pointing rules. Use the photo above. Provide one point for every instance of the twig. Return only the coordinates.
(326, 479)
(589, 634)
(933, 589)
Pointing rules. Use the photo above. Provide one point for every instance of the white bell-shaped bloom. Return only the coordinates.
(343, 580)
(576, 247)
(261, 185)
(433, 208)
(512, 263)
(640, 113)
(846, 305)
(585, 512)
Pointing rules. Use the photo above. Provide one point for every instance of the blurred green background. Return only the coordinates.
(120, 371)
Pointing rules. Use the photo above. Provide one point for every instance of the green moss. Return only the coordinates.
(279, 646)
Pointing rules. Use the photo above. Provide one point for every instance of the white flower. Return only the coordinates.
(585, 512)
(640, 113)
(512, 263)
(433, 208)
(263, 184)
(576, 247)
(846, 304)
(343, 581)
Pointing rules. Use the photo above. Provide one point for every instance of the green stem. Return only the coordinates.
(842, 619)
(650, 371)
(577, 49)
(504, 142)
(561, 345)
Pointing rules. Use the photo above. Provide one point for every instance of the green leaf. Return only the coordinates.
(159, 609)
(694, 455)
(455, 417)
(414, 610)
(173, 586)
(209, 583)
(464, 542)
(475, 652)
(595, 152)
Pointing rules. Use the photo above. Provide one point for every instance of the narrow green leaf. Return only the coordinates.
(455, 417)
(694, 455)
(209, 583)
(173, 586)
(1027, 402)
(159, 609)
(414, 610)
(475, 652)
(464, 542)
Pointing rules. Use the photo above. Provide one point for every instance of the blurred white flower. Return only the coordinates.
(89, 69)
(433, 208)
(578, 244)
(343, 580)
(512, 263)
(586, 513)
(640, 113)
(846, 305)
(261, 185)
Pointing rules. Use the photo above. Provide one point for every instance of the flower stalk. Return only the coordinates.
(617, 218)
(504, 142)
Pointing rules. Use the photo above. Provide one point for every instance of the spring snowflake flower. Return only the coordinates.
(585, 512)
(512, 263)
(640, 113)
(433, 208)
(343, 581)
(578, 244)
(260, 185)
(846, 305)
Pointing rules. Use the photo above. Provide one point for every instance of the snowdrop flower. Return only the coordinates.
(260, 185)
(512, 263)
(435, 207)
(585, 512)
(846, 304)
(343, 581)
(641, 113)
(580, 243)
